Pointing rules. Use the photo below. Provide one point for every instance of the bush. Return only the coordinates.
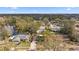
(69, 29)
(40, 38)
(51, 43)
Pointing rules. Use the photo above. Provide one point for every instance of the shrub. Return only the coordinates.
(69, 29)
(40, 38)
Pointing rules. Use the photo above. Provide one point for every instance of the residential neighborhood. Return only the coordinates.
(39, 32)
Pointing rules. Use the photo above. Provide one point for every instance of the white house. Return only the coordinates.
(54, 27)
(41, 29)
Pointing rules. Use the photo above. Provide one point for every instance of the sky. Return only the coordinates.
(40, 10)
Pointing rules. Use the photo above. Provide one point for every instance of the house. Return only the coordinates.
(19, 37)
(55, 27)
(23, 37)
(41, 29)
(14, 39)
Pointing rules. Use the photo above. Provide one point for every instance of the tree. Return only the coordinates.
(45, 20)
(21, 25)
(10, 20)
(69, 30)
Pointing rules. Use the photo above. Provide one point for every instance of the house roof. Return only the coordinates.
(21, 36)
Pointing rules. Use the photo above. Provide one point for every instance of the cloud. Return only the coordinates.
(13, 8)
(68, 9)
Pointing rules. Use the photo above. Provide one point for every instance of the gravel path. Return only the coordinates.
(33, 46)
